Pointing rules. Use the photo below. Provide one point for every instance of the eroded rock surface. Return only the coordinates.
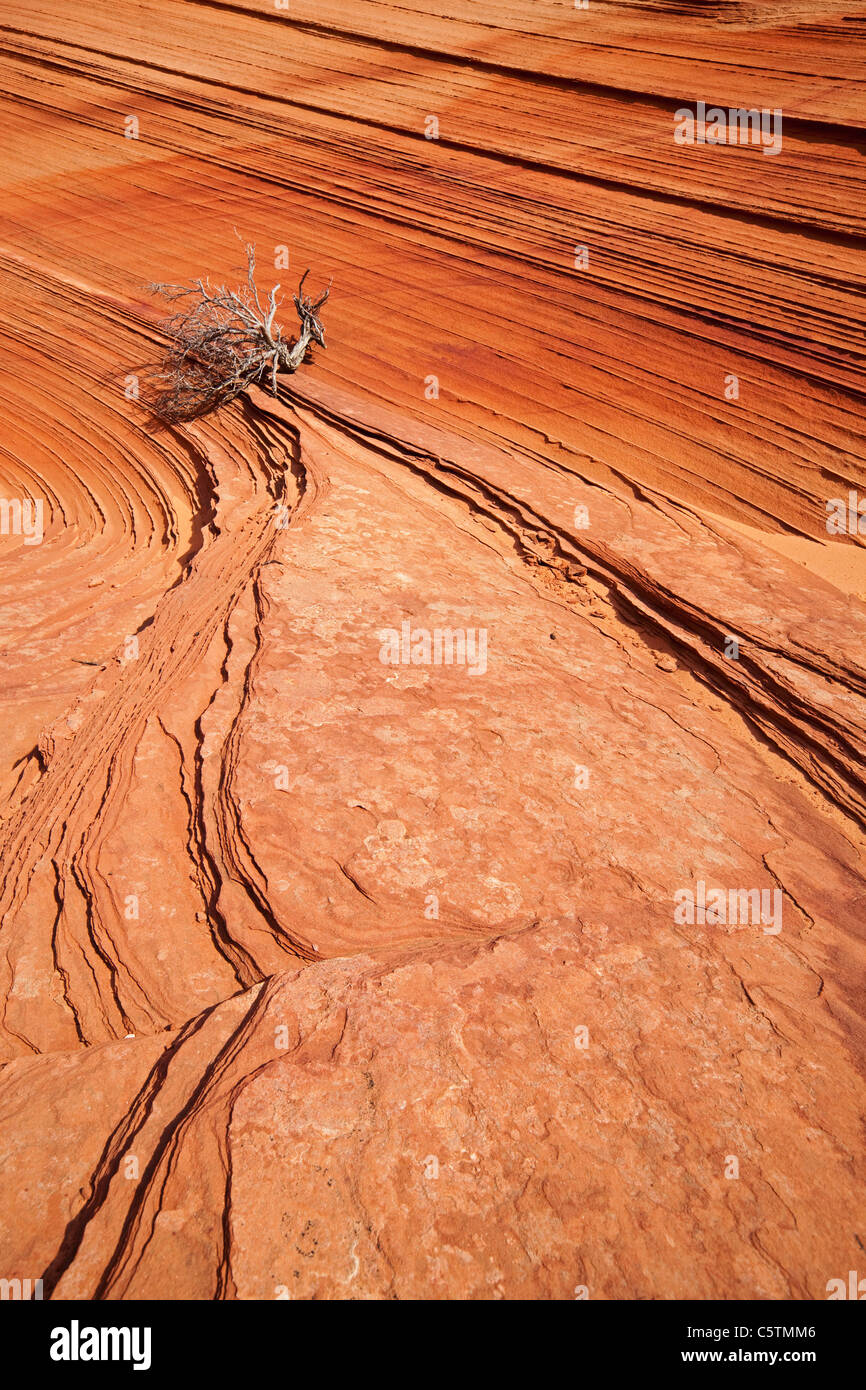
(330, 970)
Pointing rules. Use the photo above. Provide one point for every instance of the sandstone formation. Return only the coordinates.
(325, 975)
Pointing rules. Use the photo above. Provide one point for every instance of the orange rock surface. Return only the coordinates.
(326, 976)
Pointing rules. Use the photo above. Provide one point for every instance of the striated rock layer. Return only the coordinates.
(329, 970)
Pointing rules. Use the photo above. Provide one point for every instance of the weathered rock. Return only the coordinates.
(332, 967)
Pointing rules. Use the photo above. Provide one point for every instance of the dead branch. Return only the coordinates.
(223, 341)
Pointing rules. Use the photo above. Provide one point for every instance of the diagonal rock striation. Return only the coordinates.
(432, 803)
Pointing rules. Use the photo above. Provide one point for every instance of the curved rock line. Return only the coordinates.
(371, 751)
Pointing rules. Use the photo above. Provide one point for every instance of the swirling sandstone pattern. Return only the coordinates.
(325, 977)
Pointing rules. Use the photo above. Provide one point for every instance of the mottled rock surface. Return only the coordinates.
(325, 975)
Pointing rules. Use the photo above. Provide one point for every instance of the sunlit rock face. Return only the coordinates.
(431, 855)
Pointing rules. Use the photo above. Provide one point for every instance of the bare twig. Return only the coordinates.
(222, 341)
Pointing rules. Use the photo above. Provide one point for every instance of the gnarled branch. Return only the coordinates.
(222, 341)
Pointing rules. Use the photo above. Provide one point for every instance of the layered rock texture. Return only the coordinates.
(331, 967)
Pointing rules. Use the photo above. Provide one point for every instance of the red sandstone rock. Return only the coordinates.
(330, 976)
